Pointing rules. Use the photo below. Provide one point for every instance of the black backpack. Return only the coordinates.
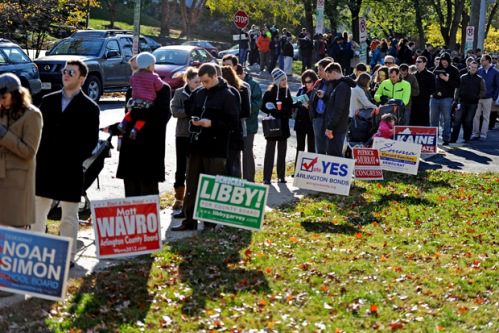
(361, 126)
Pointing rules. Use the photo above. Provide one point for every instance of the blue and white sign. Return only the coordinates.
(398, 156)
(34, 264)
(324, 173)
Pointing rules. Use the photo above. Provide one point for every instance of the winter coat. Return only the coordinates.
(324, 85)
(221, 105)
(401, 90)
(256, 101)
(143, 159)
(68, 138)
(178, 111)
(18, 148)
(303, 123)
(284, 95)
(420, 109)
(445, 89)
(385, 130)
(338, 105)
(491, 78)
(263, 44)
(411, 78)
(471, 89)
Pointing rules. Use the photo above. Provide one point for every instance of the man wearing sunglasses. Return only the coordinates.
(70, 133)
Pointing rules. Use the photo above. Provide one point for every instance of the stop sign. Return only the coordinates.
(241, 19)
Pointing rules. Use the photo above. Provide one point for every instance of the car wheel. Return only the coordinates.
(93, 88)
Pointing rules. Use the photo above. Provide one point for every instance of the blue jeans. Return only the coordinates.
(243, 53)
(281, 61)
(441, 108)
(320, 136)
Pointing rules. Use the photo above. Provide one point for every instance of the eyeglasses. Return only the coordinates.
(70, 72)
(419, 61)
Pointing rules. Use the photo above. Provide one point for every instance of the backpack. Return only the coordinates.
(361, 126)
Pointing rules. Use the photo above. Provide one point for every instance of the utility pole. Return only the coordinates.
(88, 14)
(136, 30)
(481, 24)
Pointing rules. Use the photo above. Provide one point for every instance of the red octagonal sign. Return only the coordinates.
(241, 19)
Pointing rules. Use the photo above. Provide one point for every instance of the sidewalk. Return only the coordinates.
(480, 156)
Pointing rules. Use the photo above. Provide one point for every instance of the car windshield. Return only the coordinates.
(15, 55)
(87, 47)
(171, 57)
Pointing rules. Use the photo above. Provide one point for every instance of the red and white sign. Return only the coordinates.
(362, 29)
(241, 19)
(470, 33)
(126, 227)
(425, 136)
(367, 164)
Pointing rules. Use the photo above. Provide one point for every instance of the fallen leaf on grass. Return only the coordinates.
(462, 310)
(293, 239)
(395, 325)
(358, 235)
(374, 309)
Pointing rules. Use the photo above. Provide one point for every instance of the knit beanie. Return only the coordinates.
(145, 59)
(9, 83)
(278, 75)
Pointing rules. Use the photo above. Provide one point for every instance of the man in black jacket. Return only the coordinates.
(446, 82)
(70, 133)
(212, 111)
(471, 89)
(420, 115)
(338, 107)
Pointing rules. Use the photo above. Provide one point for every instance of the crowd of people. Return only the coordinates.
(42, 150)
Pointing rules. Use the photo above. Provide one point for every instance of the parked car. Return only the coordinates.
(14, 60)
(204, 44)
(233, 50)
(106, 53)
(173, 60)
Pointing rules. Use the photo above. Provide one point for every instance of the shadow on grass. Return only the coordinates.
(327, 227)
(210, 267)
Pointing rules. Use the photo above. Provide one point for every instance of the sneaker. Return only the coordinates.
(282, 181)
(446, 143)
(179, 215)
(185, 226)
(266, 182)
(475, 138)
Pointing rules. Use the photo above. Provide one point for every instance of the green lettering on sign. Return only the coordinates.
(231, 201)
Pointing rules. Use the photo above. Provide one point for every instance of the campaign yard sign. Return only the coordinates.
(126, 227)
(398, 156)
(323, 173)
(230, 201)
(34, 264)
(425, 136)
(367, 164)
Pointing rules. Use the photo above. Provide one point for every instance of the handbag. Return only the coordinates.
(272, 127)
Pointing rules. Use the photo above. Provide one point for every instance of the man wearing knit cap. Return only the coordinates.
(446, 82)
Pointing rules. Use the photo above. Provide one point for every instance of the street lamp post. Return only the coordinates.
(136, 30)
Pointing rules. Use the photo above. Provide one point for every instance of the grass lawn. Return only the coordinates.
(411, 254)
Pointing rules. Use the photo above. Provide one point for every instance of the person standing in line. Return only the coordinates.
(263, 45)
(20, 133)
(279, 96)
(446, 82)
(338, 109)
(471, 89)
(420, 115)
(303, 123)
(318, 101)
(213, 113)
(411, 78)
(251, 124)
(70, 133)
(191, 78)
(491, 76)
(243, 46)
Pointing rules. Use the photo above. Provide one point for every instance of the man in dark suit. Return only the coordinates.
(70, 133)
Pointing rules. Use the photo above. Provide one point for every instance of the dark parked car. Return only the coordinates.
(173, 60)
(204, 44)
(14, 60)
(106, 53)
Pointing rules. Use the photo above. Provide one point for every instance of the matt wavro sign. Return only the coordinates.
(323, 173)
(34, 264)
(425, 136)
(398, 156)
(230, 201)
(125, 227)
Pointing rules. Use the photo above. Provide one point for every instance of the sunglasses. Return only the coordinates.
(70, 72)
(388, 62)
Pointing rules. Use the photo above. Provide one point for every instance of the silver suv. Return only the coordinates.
(106, 53)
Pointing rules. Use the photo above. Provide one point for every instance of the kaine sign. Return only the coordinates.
(425, 136)
(323, 173)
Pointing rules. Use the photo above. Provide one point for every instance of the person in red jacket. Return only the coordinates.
(263, 45)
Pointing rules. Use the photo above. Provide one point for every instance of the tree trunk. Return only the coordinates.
(309, 15)
(474, 18)
(465, 19)
(419, 25)
(165, 18)
(493, 13)
(354, 7)
(458, 11)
